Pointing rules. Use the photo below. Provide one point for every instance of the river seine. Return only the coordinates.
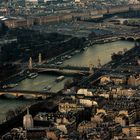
(91, 55)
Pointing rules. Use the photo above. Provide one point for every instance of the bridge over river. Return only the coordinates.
(27, 93)
(64, 70)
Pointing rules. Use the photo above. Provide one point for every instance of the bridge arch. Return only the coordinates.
(8, 95)
(2, 95)
(130, 38)
(123, 38)
(26, 94)
(137, 39)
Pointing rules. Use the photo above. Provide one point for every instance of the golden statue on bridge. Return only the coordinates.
(30, 64)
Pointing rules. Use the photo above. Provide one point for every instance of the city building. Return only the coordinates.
(122, 119)
(15, 133)
(99, 116)
(66, 106)
(66, 125)
(131, 131)
(85, 125)
(36, 133)
(134, 81)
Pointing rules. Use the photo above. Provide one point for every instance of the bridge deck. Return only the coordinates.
(18, 93)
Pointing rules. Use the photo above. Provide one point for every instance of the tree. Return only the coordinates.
(10, 114)
(67, 83)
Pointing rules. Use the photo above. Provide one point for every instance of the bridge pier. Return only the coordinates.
(17, 95)
(35, 96)
(44, 97)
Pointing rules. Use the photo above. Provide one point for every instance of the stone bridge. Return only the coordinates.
(27, 94)
(133, 38)
(63, 70)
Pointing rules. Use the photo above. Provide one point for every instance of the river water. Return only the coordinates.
(102, 51)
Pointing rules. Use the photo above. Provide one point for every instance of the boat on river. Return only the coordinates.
(77, 51)
(32, 75)
(69, 56)
(47, 88)
(84, 49)
(60, 78)
(12, 85)
(59, 63)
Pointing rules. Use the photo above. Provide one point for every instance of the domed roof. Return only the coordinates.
(85, 92)
(65, 120)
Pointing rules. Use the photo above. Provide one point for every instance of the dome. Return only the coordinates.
(86, 102)
(105, 79)
(65, 121)
(94, 103)
(58, 120)
(85, 92)
(62, 128)
(77, 0)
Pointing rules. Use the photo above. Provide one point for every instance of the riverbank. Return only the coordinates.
(17, 121)
(103, 51)
(48, 106)
(92, 53)
(66, 48)
(80, 59)
(30, 43)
